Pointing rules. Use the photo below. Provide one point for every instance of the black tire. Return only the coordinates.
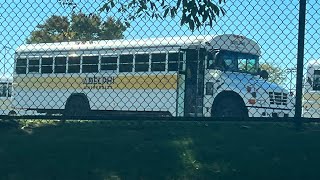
(12, 113)
(77, 106)
(229, 107)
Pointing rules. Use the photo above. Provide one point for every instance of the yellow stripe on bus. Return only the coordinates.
(98, 82)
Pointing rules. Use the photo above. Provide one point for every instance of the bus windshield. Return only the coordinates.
(235, 62)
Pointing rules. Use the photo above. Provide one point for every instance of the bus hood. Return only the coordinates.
(269, 86)
(257, 83)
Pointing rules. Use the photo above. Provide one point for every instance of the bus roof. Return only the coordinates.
(314, 64)
(223, 42)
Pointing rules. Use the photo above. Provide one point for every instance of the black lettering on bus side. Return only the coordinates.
(110, 80)
(96, 80)
(90, 80)
(104, 80)
(109, 87)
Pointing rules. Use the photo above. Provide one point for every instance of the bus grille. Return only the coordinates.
(278, 98)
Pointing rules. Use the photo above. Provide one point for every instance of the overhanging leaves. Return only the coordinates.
(194, 13)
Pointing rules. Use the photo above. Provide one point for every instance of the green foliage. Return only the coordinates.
(276, 74)
(81, 27)
(194, 13)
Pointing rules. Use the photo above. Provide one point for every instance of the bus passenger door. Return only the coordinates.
(194, 83)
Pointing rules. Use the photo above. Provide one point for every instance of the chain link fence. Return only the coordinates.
(104, 60)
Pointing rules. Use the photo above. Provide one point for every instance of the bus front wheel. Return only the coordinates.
(77, 106)
(229, 107)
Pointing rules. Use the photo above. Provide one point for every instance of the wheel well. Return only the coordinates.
(83, 97)
(12, 112)
(224, 94)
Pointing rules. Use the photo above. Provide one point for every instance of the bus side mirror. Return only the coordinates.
(264, 74)
(216, 56)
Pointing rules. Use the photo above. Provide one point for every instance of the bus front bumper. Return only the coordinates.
(269, 112)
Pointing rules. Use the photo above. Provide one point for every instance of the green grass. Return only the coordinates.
(159, 150)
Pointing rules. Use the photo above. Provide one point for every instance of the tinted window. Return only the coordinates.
(21, 66)
(60, 64)
(158, 62)
(109, 63)
(47, 65)
(74, 65)
(173, 60)
(126, 63)
(3, 89)
(34, 64)
(90, 64)
(9, 89)
(141, 62)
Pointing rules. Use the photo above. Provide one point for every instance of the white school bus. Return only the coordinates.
(311, 91)
(198, 76)
(5, 96)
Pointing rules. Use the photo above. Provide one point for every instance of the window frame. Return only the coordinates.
(126, 63)
(158, 62)
(59, 65)
(47, 65)
(5, 89)
(25, 66)
(70, 66)
(179, 61)
(82, 66)
(101, 64)
(142, 62)
(32, 58)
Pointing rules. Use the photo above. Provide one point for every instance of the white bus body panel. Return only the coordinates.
(43, 96)
(311, 97)
(145, 99)
(238, 83)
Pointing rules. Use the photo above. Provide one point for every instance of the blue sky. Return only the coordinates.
(273, 24)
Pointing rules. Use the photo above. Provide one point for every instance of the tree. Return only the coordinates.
(276, 74)
(194, 13)
(81, 27)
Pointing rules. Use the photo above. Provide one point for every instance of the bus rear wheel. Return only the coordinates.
(77, 106)
(230, 107)
(12, 113)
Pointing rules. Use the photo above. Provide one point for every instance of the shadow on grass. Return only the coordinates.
(158, 150)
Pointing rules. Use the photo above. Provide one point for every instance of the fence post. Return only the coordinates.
(300, 56)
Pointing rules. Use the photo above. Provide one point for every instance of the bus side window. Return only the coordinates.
(126, 63)
(9, 89)
(3, 89)
(214, 60)
(60, 64)
(109, 63)
(173, 59)
(74, 64)
(158, 61)
(210, 63)
(90, 64)
(34, 65)
(21, 66)
(46, 65)
(141, 62)
(210, 60)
